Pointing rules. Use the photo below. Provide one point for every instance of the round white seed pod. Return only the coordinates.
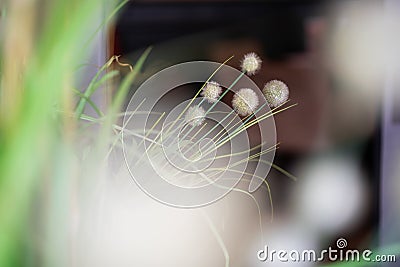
(212, 91)
(195, 116)
(245, 101)
(251, 63)
(276, 93)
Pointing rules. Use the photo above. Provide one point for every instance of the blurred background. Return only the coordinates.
(340, 60)
(335, 57)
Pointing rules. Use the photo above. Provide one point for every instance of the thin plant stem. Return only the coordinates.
(217, 236)
(220, 97)
(210, 131)
(198, 92)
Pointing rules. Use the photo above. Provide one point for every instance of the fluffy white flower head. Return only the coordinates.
(245, 101)
(211, 91)
(251, 63)
(276, 93)
(195, 116)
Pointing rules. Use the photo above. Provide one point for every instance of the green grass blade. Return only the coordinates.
(92, 87)
(127, 82)
(91, 103)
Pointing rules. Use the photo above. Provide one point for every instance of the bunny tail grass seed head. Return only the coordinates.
(276, 93)
(245, 101)
(251, 63)
(195, 116)
(211, 92)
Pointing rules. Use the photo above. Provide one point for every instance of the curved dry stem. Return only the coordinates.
(217, 236)
(276, 167)
(219, 170)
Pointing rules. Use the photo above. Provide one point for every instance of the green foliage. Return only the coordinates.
(34, 155)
